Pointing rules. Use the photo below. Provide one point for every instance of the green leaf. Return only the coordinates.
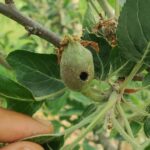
(77, 147)
(87, 146)
(13, 90)
(89, 20)
(146, 80)
(101, 59)
(55, 105)
(82, 7)
(112, 3)
(147, 108)
(147, 127)
(57, 124)
(122, 2)
(133, 30)
(77, 96)
(71, 112)
(119, 65)
(135, 126)
(88, 110)
(55, 141)
(38, 72)
(28, 108)
(7, 72)
(147, 147)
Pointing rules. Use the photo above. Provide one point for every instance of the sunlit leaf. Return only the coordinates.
(38, 72)
(90, 19)
(13, 90)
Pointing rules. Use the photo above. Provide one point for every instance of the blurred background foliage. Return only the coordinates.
(60, 16)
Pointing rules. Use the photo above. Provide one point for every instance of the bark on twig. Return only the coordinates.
(30, 25)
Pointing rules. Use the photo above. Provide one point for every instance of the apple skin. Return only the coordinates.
(76, 66)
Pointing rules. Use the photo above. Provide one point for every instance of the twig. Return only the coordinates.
(127, 125)
(31, 26)
(118, 127)
(97, 119)
(119, 145)
(135, 69)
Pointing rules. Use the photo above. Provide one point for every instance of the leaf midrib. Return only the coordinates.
(35, 70)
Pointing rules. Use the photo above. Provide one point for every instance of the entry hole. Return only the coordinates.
(83, 76)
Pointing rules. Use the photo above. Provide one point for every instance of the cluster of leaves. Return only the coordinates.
(130, 56)
(36, 81)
